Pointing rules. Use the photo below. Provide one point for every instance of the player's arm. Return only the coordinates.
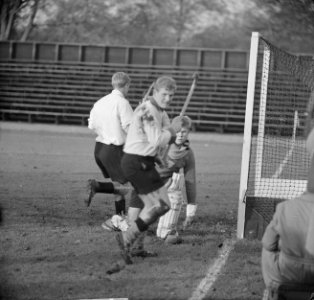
(309, 121)
(93, 120)
(126, 114)
(270, 240)
(190, 177)
(157, 135)
(190, 187)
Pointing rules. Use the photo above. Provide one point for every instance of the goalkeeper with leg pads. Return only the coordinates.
(179, 176)
(180, 172)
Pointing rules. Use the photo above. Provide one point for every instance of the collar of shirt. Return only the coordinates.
(154, 102)
(117, 92)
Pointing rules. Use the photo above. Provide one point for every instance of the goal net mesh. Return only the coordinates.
(278, 159)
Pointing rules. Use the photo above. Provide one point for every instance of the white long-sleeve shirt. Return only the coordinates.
(148, 133)
(110, 118)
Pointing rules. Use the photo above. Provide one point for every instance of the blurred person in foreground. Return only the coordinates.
(178, 170)
(288, 242)
(110, 119)
(149, 134)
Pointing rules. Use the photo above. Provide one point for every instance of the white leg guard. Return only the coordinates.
(190, 214)
(191, 210)
(168, 221)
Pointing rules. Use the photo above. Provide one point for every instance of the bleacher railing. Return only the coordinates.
(138, 55)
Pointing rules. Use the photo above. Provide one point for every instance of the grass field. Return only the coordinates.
(53, 247)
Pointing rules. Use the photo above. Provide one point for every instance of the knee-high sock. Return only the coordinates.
(104, 187)
(120, 206)
(134, 231)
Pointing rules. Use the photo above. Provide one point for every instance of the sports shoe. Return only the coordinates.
(124, 251)
(90, 191)
(107, 225)
(143, 253)
(173, 238)
(115, 223)
(187, 222)
(116, 267)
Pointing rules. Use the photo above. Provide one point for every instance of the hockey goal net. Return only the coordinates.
(274, 159)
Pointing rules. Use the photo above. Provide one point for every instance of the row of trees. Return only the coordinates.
(181, 23)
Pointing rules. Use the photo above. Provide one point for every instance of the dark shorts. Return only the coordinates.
(141, 172)
(108, 159)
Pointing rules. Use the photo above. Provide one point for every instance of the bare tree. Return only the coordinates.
(30, 22)
(16, 14)
(290, 23)
(140, 22)
(9, 10)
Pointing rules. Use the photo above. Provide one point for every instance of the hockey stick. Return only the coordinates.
(189, 96)
(148, 92)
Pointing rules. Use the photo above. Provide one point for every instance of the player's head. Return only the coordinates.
(183, 134)
(121, 81)
(164, 89)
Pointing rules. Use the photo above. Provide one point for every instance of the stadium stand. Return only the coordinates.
(63, 93)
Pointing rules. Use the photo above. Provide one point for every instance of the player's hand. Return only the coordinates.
(144, 113)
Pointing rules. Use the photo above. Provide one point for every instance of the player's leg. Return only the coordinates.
(138, 248)
(120, 223)
(147, 182)
(156, 204)
(190, 214)
(108, 159)
(167, 225)
(112, 161)
(94, 186)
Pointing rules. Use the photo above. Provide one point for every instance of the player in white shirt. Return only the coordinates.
(149, 134)
(110, 119)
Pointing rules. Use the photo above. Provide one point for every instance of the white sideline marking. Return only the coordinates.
(213, 271)
(107, 299)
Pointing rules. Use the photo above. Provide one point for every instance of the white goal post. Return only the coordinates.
(274, 160)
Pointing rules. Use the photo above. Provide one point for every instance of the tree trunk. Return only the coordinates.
(30, 24)
(8, 14)
(180, 22)
(3, 13)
